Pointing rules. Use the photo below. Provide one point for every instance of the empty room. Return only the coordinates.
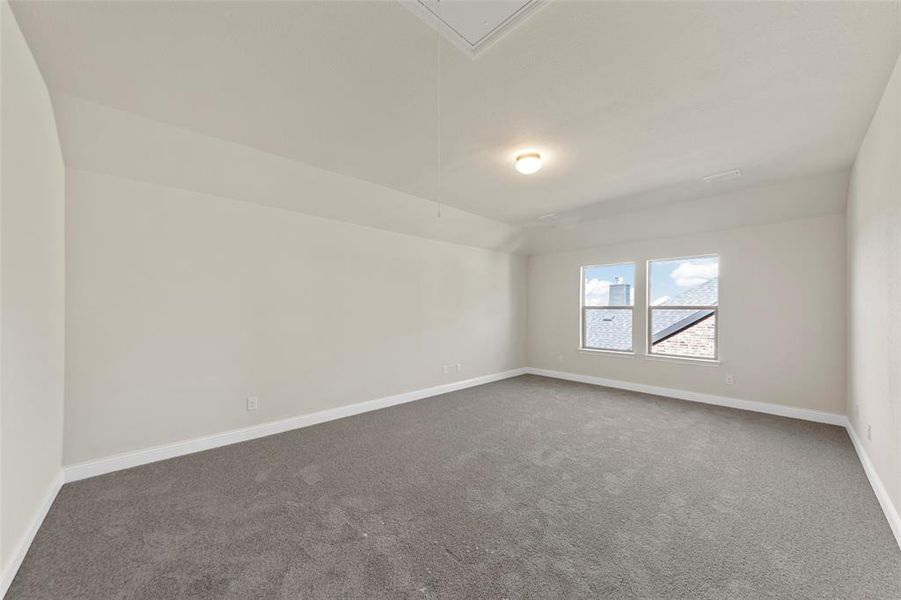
(450, 299)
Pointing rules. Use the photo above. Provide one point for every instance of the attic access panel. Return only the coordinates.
(473, 25)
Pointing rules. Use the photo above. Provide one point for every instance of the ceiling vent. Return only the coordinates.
(471, 25)
(716, 177)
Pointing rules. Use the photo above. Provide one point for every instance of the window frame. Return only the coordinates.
(583, 310)
(649, 350)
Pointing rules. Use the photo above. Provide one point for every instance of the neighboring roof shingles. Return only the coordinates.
(608, 329)
(612, 329)
(666, 323)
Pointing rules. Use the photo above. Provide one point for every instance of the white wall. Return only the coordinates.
(874, 263)
(774, 202)
(781, 321)
(106, 140)
(181, 304)
(32, 297)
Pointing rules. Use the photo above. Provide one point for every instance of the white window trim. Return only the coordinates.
(583, 308)
(620, 353)
(649, 353)
(687, 360)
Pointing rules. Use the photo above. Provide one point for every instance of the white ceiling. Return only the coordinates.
(633, 100)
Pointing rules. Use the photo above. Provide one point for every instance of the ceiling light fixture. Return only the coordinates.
(528, 163)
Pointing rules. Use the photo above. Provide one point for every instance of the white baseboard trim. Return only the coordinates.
(761, 407)
(15, 561)
(144, 456)
(888, 508)
(140, 457)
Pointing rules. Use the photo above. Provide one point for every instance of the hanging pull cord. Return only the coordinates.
(438, 102)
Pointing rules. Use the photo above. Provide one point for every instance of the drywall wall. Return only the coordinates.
(105, 140)
(781, 320)
(874, 264)
(181, 305)
(774, 202)
(32, 297)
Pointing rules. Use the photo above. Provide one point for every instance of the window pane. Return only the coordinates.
(690, 333)
(608, 329)
(609, 285)
(684, 282)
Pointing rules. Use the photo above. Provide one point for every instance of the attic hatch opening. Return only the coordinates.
(473, 26)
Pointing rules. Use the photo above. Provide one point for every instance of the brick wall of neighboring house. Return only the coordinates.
(698, 340)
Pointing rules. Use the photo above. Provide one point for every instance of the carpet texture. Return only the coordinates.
(525, 488)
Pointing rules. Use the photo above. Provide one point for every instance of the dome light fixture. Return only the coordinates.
(528, 163)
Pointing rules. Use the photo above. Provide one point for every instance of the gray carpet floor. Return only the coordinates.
(525, 488)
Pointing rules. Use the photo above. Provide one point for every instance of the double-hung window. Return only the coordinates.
(683, 301)
(607, 304)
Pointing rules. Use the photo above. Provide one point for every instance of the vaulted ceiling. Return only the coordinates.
(625, 99)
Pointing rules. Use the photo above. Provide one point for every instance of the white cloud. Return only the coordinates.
(689, 274)
(597, 292)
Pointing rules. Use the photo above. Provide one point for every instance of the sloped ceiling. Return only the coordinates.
(626, 100)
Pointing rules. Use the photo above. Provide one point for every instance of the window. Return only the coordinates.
(607, 301)
(683, 296)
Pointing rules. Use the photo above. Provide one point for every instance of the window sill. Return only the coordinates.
(610, 352)
(701, 362)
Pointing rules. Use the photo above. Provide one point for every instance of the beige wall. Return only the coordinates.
(32, 297)
(782, 314)
(774, 202)
(106, 140)
(180, 305)
(874, 262)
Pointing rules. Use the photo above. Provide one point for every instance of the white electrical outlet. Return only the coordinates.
(459, 367)
(560, 358)
(444, 369)
(869, 432)
(730, 379)
(253, 403)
